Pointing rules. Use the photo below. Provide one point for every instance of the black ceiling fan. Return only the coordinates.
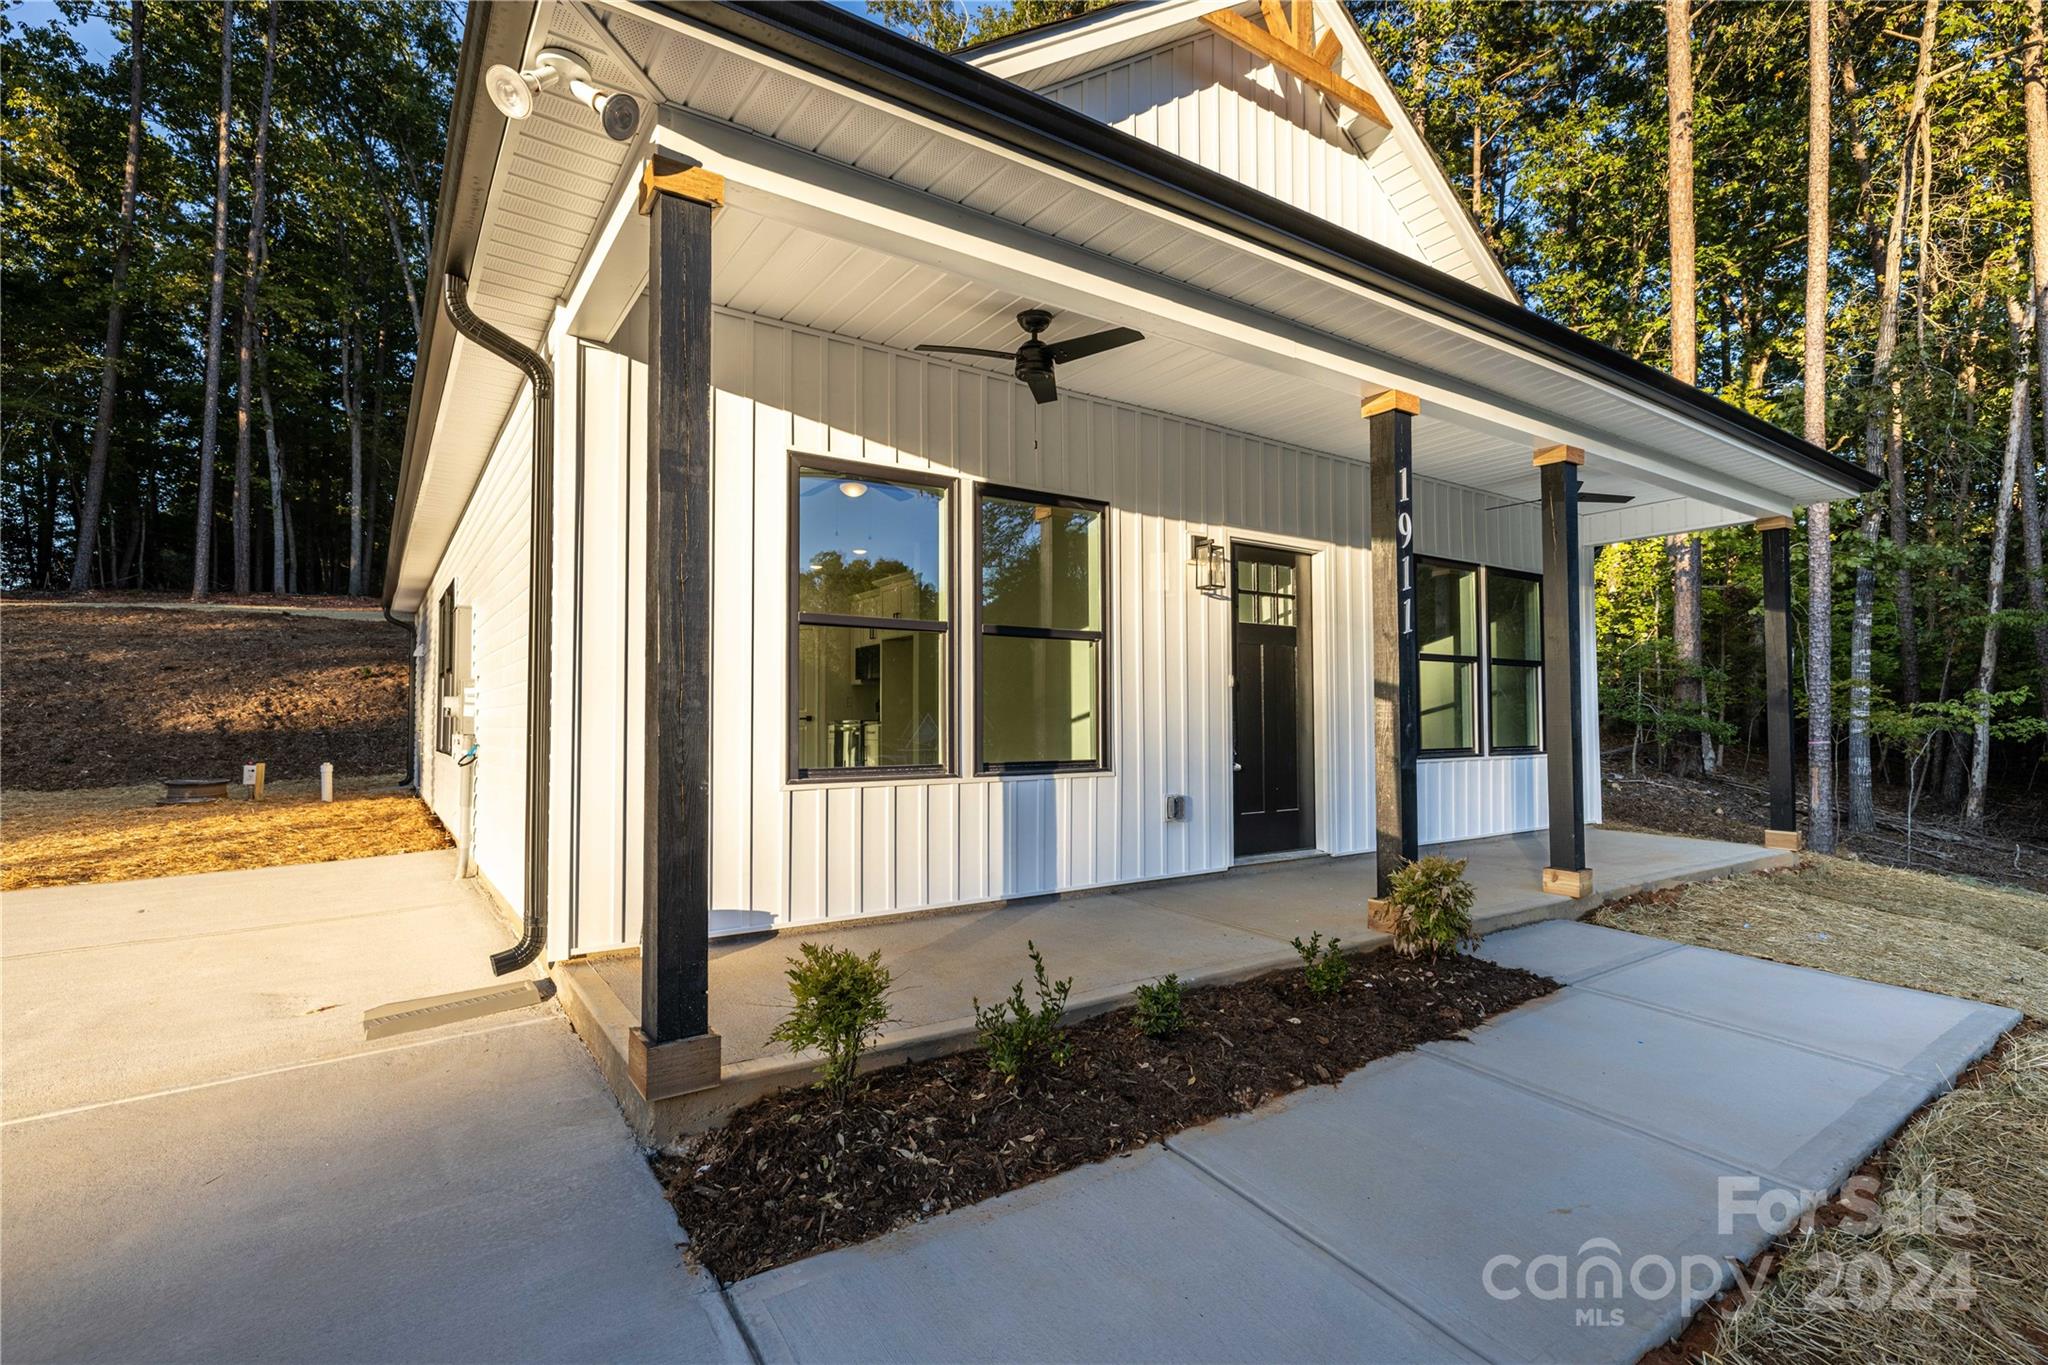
(1616, 498)
(1034, 359)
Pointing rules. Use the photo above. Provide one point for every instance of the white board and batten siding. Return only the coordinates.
(487, 562)
(803, 852)
(1486, 794)
(1209, 100)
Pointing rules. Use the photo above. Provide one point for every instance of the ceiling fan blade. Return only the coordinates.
(1093, 344)
(1607, 497)
(970, 350)
(1042, 387)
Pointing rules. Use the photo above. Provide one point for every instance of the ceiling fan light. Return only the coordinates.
(852, 488)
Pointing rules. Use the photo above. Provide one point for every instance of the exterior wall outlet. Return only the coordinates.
(1176, 808)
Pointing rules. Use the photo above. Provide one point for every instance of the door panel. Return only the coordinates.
(1271, 713)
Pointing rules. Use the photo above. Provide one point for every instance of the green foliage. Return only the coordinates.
(1159, 1009)
(1432, 907)
(839, 1002)
(1022, 1040)
(1323, 969)
(949, 26)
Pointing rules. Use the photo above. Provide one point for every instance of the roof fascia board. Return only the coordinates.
(1020, 57)
(800, 187)
(493, 32)
(895, 73)
(1367, 74)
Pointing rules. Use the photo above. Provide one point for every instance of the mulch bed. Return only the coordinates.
(797, 1173)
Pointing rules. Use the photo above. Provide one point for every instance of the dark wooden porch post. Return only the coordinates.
(1396, 719)
(1777, 548)
(1564, 740)
(674, 1051)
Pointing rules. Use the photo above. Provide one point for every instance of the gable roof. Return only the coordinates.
(1050, 55)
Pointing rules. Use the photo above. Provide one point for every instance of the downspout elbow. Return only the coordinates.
(540, 616)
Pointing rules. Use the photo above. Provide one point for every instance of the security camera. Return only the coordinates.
(514, 92)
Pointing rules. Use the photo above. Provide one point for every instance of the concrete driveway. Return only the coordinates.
(200, 1158)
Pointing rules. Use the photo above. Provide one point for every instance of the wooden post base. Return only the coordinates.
(1784, 838)
(672, 1069)
(1559, 882)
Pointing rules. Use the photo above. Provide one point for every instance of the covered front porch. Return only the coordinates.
(1207, 929)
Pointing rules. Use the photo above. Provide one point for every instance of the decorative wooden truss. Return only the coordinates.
(1288, 41)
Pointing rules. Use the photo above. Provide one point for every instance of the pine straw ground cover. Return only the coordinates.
(798, 1173)
(1987, 1139)
(120, 833)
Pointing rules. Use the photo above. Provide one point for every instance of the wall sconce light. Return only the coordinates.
(1212, 567)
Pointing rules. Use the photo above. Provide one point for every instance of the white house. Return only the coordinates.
(738, 610)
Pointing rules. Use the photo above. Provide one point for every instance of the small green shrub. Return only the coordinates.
(839, 1002)
(1322, 966)
(1159, 1007)
(1432, 907)
(1021, 1040)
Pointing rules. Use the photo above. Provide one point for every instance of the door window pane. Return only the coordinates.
(1040, 700)
(1446, 704)
(1041, 565)
(1517, 705)
(870, 697)
(1446, 608)
(869, 547)
(1514, 612)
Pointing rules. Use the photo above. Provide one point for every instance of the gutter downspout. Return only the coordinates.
(539, 617)
(412, 696)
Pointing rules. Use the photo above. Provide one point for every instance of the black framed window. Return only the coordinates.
(444, 646)
(1514, 661)
(1041, 610)
(1447, 636)
(872, 611)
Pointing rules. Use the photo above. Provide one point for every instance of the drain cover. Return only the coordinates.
(432, 1011)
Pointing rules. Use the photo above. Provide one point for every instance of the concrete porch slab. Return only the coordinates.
(1139, 1259)
(1210, 929)
(1570, 952)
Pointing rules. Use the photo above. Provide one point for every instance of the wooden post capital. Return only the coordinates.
(1558, 455)
(666, 175)
(1774, 523)
(1391, 400)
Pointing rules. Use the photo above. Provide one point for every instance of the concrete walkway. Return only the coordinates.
(1206, 929)
(1406, 1213)
(201, 1159)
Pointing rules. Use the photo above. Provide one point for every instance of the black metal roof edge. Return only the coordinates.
(858, 51)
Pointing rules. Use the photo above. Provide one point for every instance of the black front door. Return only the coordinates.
(1270, 663)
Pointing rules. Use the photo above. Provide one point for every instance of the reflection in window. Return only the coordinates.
(1447, 627)
(1514, 663)
(1266, 594)
(1448, 611)
(871, 655)
(1042, 569)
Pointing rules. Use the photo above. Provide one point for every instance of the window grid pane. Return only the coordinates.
(1042, 568)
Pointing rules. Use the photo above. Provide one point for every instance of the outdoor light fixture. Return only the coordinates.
(853, 488)
(514, 91)
(1212, 566)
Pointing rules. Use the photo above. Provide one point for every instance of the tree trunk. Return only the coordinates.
(209, 423)
(110, 362)
(252, 281)
(1862, 814)
(2032, 64)
(1820, 558)
(276, 463)
(2017, 438)
(352, 401)
(1685, 360)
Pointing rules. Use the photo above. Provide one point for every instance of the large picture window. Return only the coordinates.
(873, 649)
(1474, 682)
(444, 671)
(1043, 595)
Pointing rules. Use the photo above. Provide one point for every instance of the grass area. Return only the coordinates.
(1987, 1140)
(113, 834)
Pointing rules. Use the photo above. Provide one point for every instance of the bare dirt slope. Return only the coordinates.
(107, 697)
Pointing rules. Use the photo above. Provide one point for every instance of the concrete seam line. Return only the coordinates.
(739, 1322)
(1759, 1035)
(1317, 1243)
(272, 1071)
(1613, 1121)
(1665, 951)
